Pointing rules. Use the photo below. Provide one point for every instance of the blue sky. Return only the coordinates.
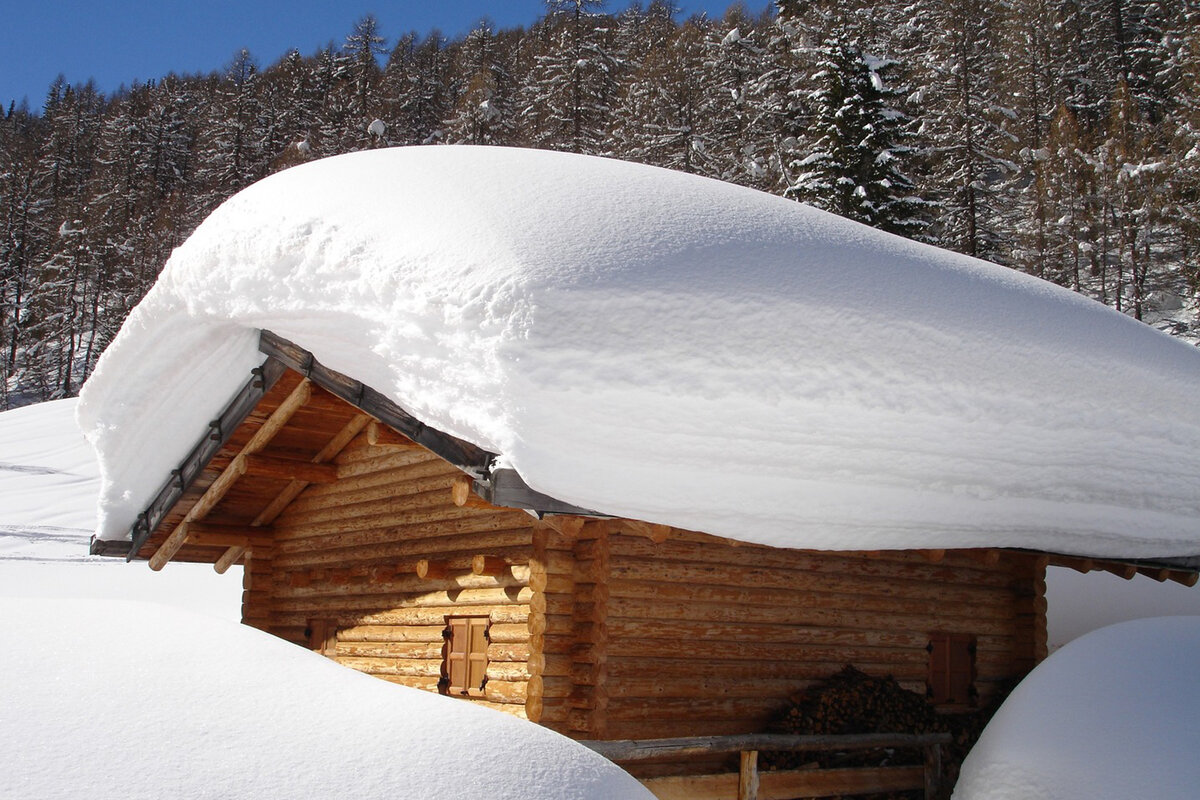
(121, 41)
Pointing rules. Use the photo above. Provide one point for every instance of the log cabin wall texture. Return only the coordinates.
(348, 551)
(707, 638)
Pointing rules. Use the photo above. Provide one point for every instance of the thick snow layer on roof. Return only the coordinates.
(670, 348)
(1112, 715)
(105, 699)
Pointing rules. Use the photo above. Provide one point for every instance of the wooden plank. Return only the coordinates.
(784, 785)
(625, 751)
(748, 776)
(227, 560)
(289, 469)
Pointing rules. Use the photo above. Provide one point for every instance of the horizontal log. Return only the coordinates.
(781, 785)
(721, 578)
(362, 532)
(629, 751)
(390, 650)
(421, 616)
(512, 595)
(380, 435)
(697, 707)
(505, 691)
(901, 564)
(362, 460)
(395, 545)
(269, 466)
(514, 634)
(393, 633)
(391, 505)
(750, 660)
(630, 608)
(997, 606)
(207, 534)
(406, 480)
(508, 671)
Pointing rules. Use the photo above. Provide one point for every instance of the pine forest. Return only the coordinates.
(1055, 137)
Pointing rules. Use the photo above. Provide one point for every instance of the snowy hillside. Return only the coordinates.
(48, 492)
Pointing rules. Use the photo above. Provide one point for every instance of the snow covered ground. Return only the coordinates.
(48, 487)
(133, 701)
(59, 707)
(1114, 714)
(118, 685)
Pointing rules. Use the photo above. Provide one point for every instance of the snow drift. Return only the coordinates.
(129, 701)
(671, 348)
(1114, 714)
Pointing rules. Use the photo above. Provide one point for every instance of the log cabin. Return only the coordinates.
(387, 539)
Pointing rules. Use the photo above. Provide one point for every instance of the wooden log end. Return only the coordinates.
(431, 570)
(488, 565)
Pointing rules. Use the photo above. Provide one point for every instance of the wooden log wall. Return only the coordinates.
(349, 551)
(707, 638)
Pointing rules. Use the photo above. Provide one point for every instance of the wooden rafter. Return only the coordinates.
(328, 453)
(236, 469)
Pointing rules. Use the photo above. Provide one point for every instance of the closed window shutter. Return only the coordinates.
(465, 664)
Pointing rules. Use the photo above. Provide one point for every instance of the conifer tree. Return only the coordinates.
(854, 168)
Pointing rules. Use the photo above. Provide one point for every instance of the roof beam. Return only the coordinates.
(236, 469)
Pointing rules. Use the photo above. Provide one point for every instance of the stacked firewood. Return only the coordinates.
(852, 702)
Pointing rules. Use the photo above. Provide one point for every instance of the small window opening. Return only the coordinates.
(464, 661)
(951, 669)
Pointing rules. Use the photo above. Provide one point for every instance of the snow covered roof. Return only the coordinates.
(670, 348)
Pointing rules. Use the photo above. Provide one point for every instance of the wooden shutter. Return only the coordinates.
(465, 664)
(951, 668)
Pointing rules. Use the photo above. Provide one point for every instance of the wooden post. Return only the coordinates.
(933, 771)
(748, 776)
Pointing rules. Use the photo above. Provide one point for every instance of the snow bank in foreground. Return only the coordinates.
(671, 348)
(1114, 714)
(126, 701)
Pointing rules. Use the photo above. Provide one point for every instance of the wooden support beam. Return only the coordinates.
(748, 776)
(236, 469)
(227, 560)
(1158, 574)
(1186, 578)
(1126, 571)
(289, 469)
(328, 453)
(204, 533)
(380, 435)
(488, 565)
